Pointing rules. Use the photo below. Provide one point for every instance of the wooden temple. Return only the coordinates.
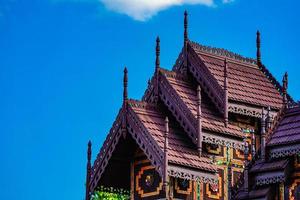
(217, 126)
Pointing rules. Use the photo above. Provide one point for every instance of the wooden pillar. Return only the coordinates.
(253, 141)
(269, 119)
(225, 93)
(246, 180)
(199, 125)
(263, 135)
(132, 180)
(88, 172)
(166, 146)
(229, 180)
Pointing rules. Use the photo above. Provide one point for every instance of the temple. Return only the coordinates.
(217, 126)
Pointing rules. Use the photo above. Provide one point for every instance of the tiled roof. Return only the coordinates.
(181, 150)
(211, 118)
(288, 130)
(247, 83)
(269, 166)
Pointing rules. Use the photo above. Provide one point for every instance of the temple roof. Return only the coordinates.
(288, 130)
(181, 150)
(212, 119)
(247, 82)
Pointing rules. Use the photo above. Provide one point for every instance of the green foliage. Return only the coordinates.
(110, 194)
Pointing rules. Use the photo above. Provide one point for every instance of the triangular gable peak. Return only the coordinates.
(249, 87)
(145, 124)
(178, 93)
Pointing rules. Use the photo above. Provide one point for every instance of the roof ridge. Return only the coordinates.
(223, 52)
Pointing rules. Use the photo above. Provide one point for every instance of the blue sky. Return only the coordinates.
(61, 67)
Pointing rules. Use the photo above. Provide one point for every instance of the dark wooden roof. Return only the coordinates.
(181, 150)
(288, 130)
(212, 119)
(247, 83)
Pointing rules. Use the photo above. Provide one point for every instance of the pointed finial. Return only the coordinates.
(157, 62)
(125, 82)
(88, 171)
(258, 54)
(185, 26)
(89, 150)
(284, 88)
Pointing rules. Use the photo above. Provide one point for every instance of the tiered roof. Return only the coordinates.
(174, 94)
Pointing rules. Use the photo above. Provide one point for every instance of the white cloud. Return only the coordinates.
(144, 9)
(227, 1)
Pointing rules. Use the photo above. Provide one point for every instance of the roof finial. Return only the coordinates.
(166, 144)
(284, 88)
(88, 171)
(263, 135)
(185, 26)
(258, 54)
(199, 124)
(157, 61)
(125, 82)
(226, 92)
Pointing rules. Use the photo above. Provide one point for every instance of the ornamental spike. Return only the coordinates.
(258, 53)
(88, 171)
(284, 89)
(185, 26)
(125, 84)
(157, 51)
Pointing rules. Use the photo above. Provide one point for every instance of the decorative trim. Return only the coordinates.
(244, 110)
(183, 173)
(178, 108)
(222, 52)
(213, 139)
(285, 151)
(106, 151)
(147, 144)
(269, 180)
(207, 82)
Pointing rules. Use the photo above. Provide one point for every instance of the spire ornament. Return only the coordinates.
(284, 89)
(88, 171)
(157, 51)
(185, 26)
(258, 53)
(125, 84)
